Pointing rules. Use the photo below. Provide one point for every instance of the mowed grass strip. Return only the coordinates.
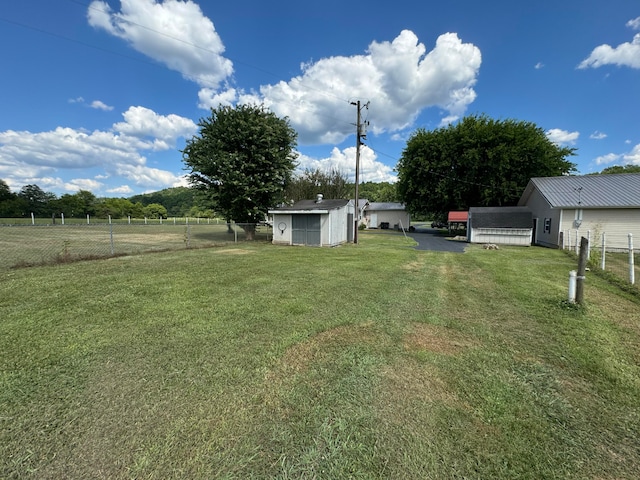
(367, 361)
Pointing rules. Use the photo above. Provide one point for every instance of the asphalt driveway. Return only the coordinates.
(435, 240)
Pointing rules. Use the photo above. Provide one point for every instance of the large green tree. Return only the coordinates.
(5, 191)
(79, 204)
(243, 158)
(331, 183)
(37, 200)
(11, 205)
(476, 162)
(379, 192)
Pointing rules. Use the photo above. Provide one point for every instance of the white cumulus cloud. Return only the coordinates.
(27, 157)
(598, 136)
(562, 137)
(98, 105)
(371, 170)
(607, 159)
(626, 54)
(173, 32)
(399, 77)
(633, 157)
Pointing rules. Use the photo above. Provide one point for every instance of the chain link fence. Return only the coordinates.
(27, 245)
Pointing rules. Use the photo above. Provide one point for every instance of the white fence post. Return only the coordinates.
(632, 273)
(604, 250)
(62, 218)
(573, 281)
(87, 219)
(577, 243)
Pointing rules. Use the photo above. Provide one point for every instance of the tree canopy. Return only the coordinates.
(477, 162)
(331, 183)
(614, 169)
(243, 158)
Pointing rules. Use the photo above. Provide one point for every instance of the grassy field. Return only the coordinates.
(368, 361)
(39, 244)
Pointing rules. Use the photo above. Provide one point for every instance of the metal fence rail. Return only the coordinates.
(614, 253)
(26, 245)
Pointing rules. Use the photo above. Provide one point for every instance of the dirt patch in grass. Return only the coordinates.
(298, 357)
(235, 251)
(435, 339)
(301, 357)
(415, 266)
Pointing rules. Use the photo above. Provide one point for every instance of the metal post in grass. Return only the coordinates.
(582, 267)
(577, 243)
(632, 273)
(589, 248)
(604, 250)
(572, 286)
(87, 219)
(113, 250)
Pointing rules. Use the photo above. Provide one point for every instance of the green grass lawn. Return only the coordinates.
(367, 361)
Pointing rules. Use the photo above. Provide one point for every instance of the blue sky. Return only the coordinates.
(100, 95)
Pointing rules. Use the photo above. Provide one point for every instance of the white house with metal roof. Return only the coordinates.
(568, 207)
(319, 222)
(386, 215)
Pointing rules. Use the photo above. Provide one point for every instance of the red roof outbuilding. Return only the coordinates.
(458, 217)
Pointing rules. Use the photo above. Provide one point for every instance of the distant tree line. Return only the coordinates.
(179, 201)
(172, 202)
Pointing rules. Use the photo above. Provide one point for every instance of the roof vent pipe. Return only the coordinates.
(319, 198)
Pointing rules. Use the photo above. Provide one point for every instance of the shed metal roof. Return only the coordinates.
(385, 206)
(500, 217)
(587, 191)
(458, 217)
(311, 206)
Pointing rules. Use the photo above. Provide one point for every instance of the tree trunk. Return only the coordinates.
(249, 230)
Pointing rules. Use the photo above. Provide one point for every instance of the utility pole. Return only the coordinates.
(359, 136)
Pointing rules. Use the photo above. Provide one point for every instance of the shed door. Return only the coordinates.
(373, 220)
(305, 229)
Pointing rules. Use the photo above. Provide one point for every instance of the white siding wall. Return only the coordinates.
(502, 236)
(616, 223)
(281, 237)
(393, 217)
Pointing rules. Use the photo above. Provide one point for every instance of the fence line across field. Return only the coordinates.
(62, 220)
(23, 245)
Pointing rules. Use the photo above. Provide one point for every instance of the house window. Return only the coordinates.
(547, 225)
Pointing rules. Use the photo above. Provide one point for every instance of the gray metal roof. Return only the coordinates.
(385, 206)
(500, 217)
(587, 191)
(325, 204)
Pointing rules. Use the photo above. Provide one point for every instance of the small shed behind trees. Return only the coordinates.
(500, 225)
(316, 222)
